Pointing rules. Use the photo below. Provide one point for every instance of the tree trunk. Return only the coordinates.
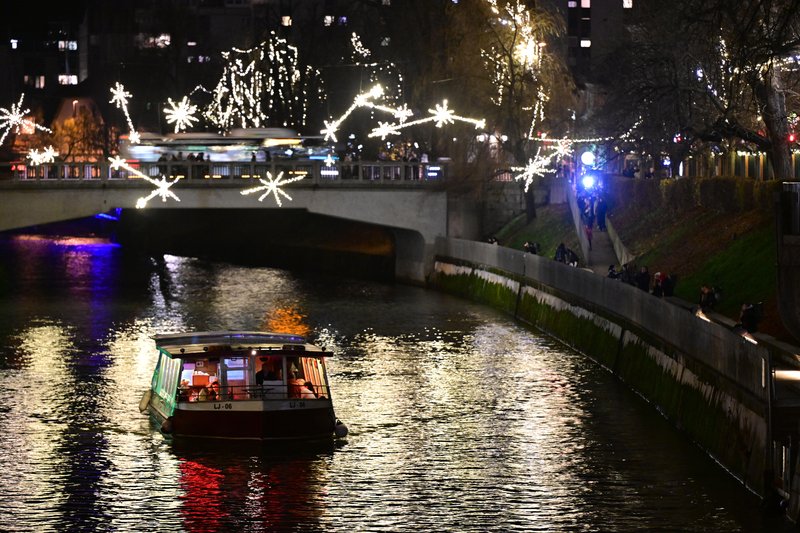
(530, 204)
(530, 198)
(769, 92)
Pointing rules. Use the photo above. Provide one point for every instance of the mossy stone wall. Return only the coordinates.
(723, 417)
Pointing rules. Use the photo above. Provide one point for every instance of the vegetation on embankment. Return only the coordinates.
(552, 226)
(716, 231)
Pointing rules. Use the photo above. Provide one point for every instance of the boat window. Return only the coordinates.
(196, 376)
(234, 375)
(166, 381)
(304, 370)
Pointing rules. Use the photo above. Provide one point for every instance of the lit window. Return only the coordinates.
(144, 40)
(387, 2)
(586, 3)
(286, 20)
(191, 43)
(586, 43)
(14, 44)
(328, 20)
(72, 45)
(342, 21)
(572, 3)
(67, 79)
(627, 4)
(34, 81)
(386, 41)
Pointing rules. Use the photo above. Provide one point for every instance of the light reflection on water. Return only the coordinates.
(459, 419)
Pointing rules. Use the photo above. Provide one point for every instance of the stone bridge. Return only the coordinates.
(408, 199)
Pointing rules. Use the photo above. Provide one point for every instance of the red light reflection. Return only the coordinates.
(270, 494)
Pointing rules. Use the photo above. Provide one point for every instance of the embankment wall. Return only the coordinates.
(710, 382)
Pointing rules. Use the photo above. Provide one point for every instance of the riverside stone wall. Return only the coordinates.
(710, 382)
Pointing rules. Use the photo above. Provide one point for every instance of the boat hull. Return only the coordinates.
(252, 420)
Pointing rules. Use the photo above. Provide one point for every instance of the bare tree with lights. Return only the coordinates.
(716, 71)
(528, 84)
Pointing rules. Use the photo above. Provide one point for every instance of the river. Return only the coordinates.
(460, 419)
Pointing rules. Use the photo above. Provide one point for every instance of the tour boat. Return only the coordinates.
(241, 385)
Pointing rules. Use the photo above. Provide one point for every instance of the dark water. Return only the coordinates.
(460, 420)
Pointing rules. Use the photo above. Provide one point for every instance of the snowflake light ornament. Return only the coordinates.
(162, 185)
(272, 186)
(181, 114)
(14, 118)
(48, 155)
(119, 97)
(537, 167)
(441, 114)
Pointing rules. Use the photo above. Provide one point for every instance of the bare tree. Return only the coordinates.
(699, 71)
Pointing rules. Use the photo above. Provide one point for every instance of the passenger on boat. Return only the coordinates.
(213, 391)
(267, 373)
(307, 391)
(262, 374)
(296, 386)
(183, 391)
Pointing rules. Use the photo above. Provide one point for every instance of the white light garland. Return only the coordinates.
(272, 186)
(364, 100)
(119, 97)
(14, 118)
(181, 113)
(441, 115)
(162, 185)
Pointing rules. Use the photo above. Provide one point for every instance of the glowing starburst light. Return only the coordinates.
(162, 185)
(181, 114)
(365, 100)
(272, 186)
(119, 97)
(441, 115)
(48, 155)
(14, 118)
(537, 167)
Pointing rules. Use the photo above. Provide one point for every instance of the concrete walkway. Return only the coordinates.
(602, 253)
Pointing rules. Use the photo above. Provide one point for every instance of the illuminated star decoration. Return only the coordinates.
(181, 113)
(272, 186)
(363, 100)
(162, 185)
(14, 118)
(119, 97)
(536, 167)
(441, 115)
(48, 155)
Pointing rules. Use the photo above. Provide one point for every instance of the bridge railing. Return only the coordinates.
(313, 171)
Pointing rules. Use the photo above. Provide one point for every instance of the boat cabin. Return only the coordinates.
(278, 367)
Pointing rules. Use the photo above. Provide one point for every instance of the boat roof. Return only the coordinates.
(220, 342)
